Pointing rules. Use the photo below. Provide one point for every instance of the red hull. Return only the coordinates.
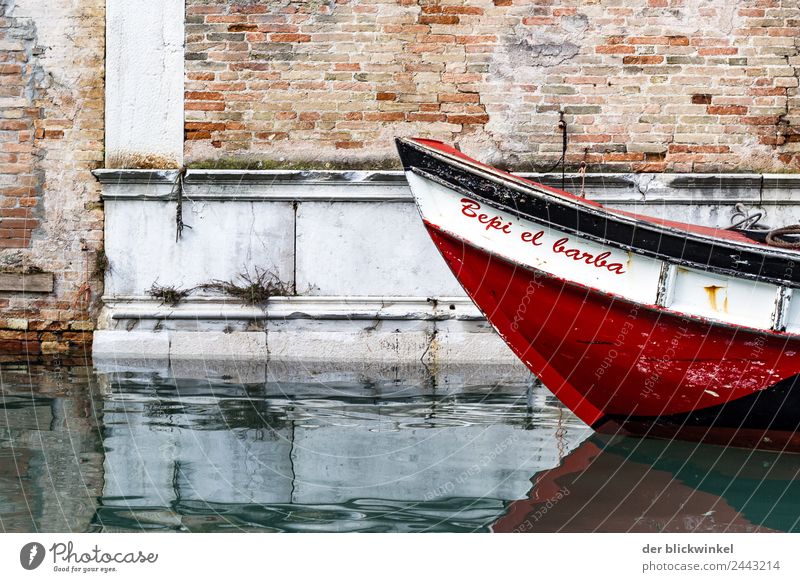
(609, 359)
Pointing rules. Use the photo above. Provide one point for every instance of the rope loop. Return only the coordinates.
(791, 230)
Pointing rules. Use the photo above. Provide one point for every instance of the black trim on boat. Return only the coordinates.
(774, 409)
(596, 223)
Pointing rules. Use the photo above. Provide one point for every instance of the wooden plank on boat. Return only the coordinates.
(29, 283)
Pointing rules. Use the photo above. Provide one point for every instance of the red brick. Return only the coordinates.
(195, 135)
(458, 98)
(468, 119)
(616, 49)
(203, 125)
(538, 20)
(250, 8)
(427, 117)
(13, 124)
(14, 232)
(385, 116)
(9, 69)
(438, 19)
(203, 96)
(242, 27)
(760, 120)
(272, 135)
(701, 99)
(713, 51)
(200, 76)
(19, 212)
(767, 91)
(709, 149)
(278, 37)
(462, 10)
(204, 106)
(476, 39)
(623, 157)
(727, 109)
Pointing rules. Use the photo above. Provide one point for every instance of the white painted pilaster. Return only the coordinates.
(144, 82)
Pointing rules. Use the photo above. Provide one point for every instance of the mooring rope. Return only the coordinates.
(792, 229)
(562, 125)
(748, 220)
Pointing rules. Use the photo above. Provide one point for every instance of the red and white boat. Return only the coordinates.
(637, 324)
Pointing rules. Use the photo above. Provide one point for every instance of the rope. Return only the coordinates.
(177, 188)
(582, 172)
(562, 125)
(747, 219)
(792, 229)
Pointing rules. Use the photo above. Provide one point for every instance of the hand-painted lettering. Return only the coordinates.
(471, 209)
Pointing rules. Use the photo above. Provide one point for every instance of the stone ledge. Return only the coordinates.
(329, 308)
(27, 282)
(427, 342)
(122, 176)
(364, 186)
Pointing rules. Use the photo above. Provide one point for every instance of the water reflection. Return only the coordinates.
(618, 484)
(390, 452)
(51, 453)
(207, 447)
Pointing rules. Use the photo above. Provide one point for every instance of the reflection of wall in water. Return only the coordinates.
(327, 454)
(50, 454)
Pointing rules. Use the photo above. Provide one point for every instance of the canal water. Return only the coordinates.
(202, 447)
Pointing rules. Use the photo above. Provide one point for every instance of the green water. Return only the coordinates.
(200, 448)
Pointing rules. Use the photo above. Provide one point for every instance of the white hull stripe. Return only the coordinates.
(606, 269)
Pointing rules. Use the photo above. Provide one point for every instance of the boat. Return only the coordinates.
(639, 325)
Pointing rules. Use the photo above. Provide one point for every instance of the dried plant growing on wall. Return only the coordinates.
(252, 289)
(168, 294)
(101, 264)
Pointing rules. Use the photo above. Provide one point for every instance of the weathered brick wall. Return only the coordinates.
(51, 137)
(673, 85)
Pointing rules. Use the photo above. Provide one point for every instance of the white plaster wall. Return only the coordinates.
(224, 239)
(144, 79)
(380, 248)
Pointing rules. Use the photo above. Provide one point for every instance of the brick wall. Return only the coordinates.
(20, 181)
(647, 85)
(51, 137)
